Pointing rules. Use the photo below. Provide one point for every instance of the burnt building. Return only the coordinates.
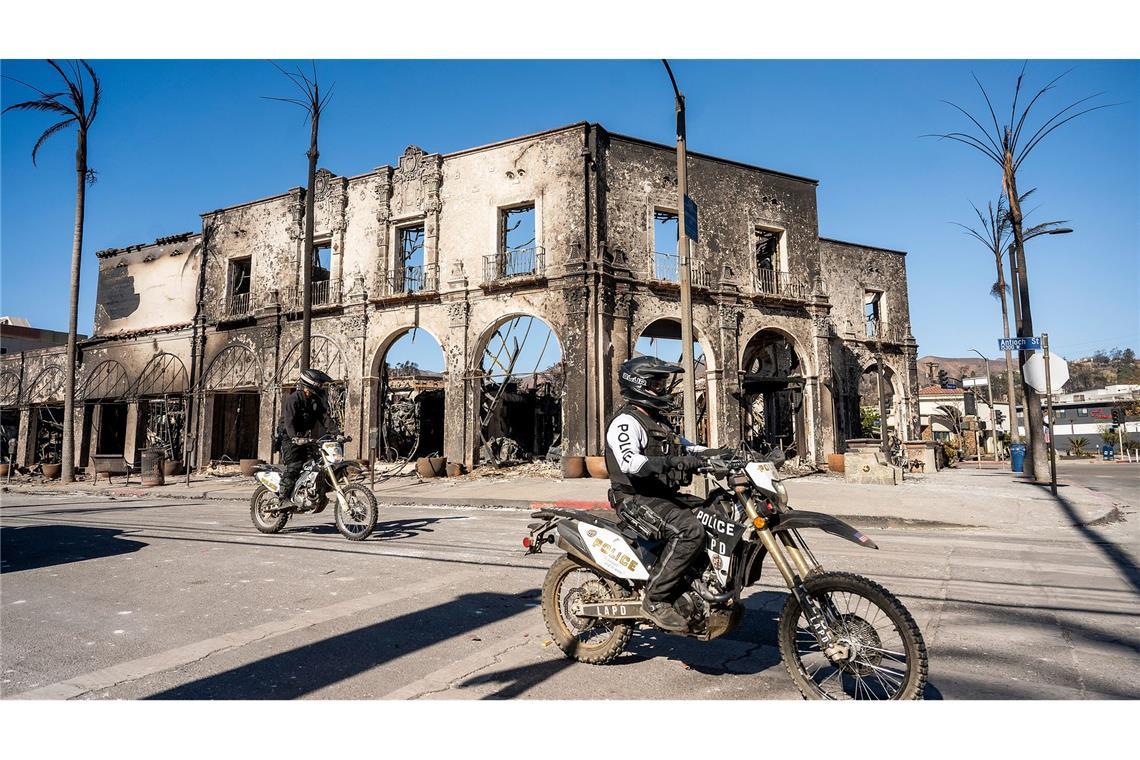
(197, 336)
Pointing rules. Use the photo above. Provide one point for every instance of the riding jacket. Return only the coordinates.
(637, 449)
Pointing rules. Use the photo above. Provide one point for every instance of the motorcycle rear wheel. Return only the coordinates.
(260, 503)
(583, 639)
(889, 655)
(356, 517)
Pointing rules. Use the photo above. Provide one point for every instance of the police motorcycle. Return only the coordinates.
(327, 473)
(841, 636)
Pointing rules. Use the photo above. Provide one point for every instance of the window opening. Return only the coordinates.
(872, 312)
(665, 236)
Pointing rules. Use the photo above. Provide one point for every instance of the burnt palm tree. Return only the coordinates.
(77, 105)
(1008, 145)
(994, 232)
(314, 104)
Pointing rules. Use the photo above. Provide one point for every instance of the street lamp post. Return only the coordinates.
(990, 389)
(689, 383)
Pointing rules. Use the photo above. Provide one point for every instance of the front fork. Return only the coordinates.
(335, 483)
(794, 568)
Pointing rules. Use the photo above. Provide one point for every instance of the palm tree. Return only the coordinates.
(951, 418)
(994, 233)
(1005, 147)
(78, 106)
(313, 104)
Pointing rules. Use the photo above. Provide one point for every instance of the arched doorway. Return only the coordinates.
(662, 339)
(772, 394)
(521, 381)
(409, 393)
(868, 402)
(44, 397)
(233, 403)
(161, 396)
(103, 392)
(9, 413)
(325, 355)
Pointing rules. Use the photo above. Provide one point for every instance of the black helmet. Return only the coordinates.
(314, 380)
(647, 381)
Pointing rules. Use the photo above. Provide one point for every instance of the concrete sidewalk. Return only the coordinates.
(962, 496)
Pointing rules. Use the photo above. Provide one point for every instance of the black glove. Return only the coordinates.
(685, 463)
(302, 441)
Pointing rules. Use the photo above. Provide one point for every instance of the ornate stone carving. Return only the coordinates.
(622, 302)
(576, 299)
(730, 316)
(322, 184)
(411, 164)
(457, 312)
(822, 324)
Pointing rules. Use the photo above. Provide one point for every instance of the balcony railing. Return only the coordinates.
(325, 293)
(411, 280)
(666, 267)
(770, 282)
(514, 264)
(237, 305)
(876, 330)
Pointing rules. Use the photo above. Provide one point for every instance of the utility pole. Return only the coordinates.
(1052, 424)
(990, 389)
(689, 383)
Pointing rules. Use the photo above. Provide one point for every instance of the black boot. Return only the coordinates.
(665, 616)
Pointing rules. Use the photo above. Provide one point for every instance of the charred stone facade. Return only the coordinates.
(209, 322)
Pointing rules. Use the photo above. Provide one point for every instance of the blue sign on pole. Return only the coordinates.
(1019, 344)
(690, 219)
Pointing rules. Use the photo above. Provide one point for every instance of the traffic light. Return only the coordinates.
(943, 378)
(1117, 415)
(970, 402)
(999, 417)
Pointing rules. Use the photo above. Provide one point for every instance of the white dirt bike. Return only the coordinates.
(841, 636)
(326, 473)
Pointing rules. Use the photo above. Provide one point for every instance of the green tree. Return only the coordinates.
(77, 104)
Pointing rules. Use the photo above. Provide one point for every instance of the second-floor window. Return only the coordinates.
(518, 253)
(767, 255)
(665, 236)
(873, 312)
(409, 275)
(240, 279)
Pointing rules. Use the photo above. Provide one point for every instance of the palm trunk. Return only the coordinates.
(1038, 464)
(1014, 436)
(307, 253)
(67, 473)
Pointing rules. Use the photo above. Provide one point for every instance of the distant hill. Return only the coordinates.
(958, 367)
(1097, 371)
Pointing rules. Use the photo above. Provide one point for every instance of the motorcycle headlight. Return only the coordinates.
(334, 452)
(781, 495)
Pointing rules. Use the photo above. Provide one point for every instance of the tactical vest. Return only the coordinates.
(661, 441)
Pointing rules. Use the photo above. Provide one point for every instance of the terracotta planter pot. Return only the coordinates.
(454, 469)
(431, 467)
(4, 470)
(52, 471)
(247, 466)
(573, 467)
(835, 462)
(172, 468)
(596, 466)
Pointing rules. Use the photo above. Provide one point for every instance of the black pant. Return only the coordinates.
(293, 458)
(684, 535)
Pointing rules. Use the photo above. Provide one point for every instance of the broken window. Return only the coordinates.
(518, 254)
(872, 312)
(239, 284)
(322, 261)
(665, 236)
(410, 270)
(767, 260)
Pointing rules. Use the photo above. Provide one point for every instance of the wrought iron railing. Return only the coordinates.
(515, 263)
(877, 330)
(771, 282)
(237, 305)
(666, 267)
(412, 279)
(325, 293)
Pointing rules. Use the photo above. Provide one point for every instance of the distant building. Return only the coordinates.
(934, 396)
(17, 335)
(1086, 413)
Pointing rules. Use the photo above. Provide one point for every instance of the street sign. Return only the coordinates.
(1019, 344)
(971, 382)
(1034, 372)
(690, 219)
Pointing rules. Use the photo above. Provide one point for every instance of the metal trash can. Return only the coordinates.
(1017, 457)
(1108, 452)
(152, 460)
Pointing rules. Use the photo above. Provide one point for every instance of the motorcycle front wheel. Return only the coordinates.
(886, 653)
(356, 516)
(583, 639)
(260, 511)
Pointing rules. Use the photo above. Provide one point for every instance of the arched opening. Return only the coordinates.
(772, 395)
(161, 392)
(409, 408)
(44, 396)
(103, 391)
(662, 339)
(9, 413)
(868, 402)
(233, 403)
(521, 382)
(325, 355)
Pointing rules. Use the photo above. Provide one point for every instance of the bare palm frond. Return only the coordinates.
(986, 95)
(1037, 139)
(48, 133)
(1028, 108)
(45, 105)
(96, 93)
(999, 289)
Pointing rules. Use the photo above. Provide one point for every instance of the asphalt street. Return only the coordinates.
(177, 599)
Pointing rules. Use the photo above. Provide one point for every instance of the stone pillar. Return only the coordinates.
(266, 425)
(460, 423)
(206, 430)
(129, 452)
(727, 429)
(77, 430)
(577, 362)
(825, 387)
(432, 182)
(24, 439)
(383, 229)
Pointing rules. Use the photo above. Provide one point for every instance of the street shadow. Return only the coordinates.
(409, 528)
(305, 669)
(35, 546)
(1113, 553)
(520, 680)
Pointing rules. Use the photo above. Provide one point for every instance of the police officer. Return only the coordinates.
(648, 464)
(303, 413)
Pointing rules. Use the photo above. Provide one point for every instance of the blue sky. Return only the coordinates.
(176, 138)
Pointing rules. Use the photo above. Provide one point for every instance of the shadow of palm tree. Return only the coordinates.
(33, 546)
